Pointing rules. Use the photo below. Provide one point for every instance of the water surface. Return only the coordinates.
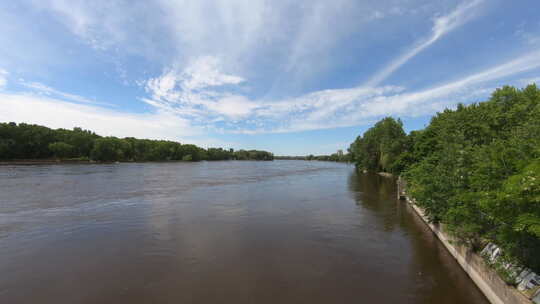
(216, 232)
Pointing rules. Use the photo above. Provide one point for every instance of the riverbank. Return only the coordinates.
(485, 277)
(43, 162)
(26, 162)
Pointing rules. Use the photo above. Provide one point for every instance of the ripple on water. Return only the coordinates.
(227, 232)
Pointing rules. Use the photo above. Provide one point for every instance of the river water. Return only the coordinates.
(216, 232)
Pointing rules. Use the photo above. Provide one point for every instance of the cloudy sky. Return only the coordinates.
(291, 77)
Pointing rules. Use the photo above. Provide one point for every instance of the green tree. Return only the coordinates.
(109, 149)
(61, 149)
(25, 141)
(380, 146)
(475, 168)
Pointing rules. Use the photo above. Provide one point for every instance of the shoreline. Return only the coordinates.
(25, 162)
(484, 276)
(29, 162)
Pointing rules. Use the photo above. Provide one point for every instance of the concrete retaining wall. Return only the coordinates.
(487, 279)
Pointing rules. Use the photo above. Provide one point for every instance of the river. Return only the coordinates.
(217, 232)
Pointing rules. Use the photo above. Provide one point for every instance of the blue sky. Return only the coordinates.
(291, 77)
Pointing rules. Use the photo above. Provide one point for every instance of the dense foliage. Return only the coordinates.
(475, 168)
(380, 147)
(25, 141)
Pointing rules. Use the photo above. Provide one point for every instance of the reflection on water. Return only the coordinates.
(216, 232)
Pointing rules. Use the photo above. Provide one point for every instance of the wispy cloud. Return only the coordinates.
(248, 67)
(320, 109)
(57, 113)
(317, 110)
(441, 26)
(201, 89)
(104, 25)
(48, 91)
(466, 89)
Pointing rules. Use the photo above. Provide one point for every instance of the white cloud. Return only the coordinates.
(103, 24)
(234, 106)
(441, 26)
(286, 34)
(55, 113)
(202, 96)
(192, 93)
(216, 51)
(317, 110)
(3, 78)
(195, 97)
(48, 91)
(205, 72)
(427, 101)
(199, 90)
(361, 105)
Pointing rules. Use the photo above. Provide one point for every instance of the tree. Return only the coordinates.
(109, 149)
(475, 168)
(61, 149)
(24, 141)
(380, 146)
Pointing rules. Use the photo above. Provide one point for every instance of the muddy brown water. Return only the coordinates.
(217, 232)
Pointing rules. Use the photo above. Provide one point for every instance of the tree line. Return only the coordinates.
(475, 168)
(339, 156)
(28, 141)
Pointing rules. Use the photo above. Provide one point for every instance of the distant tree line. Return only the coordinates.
(26, 141)
(475, 168)
(339, 156)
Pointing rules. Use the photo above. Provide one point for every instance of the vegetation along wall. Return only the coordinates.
(474, 169)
